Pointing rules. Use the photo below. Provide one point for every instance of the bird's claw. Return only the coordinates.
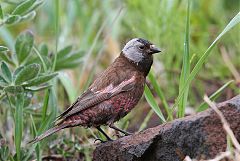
(102, 141)
(98, 139)
(127, 133)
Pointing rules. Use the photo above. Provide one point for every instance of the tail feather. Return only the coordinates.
(48, 133)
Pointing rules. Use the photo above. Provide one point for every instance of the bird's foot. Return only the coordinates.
(108, 138)
(120, 130)
(128, 133)
(117, 135)
(98, 139)
(102, 141)
(124, 134)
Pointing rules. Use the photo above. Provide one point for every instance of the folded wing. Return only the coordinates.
(91, 98)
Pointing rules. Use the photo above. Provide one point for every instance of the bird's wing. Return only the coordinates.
(86, 95)
(90, 98)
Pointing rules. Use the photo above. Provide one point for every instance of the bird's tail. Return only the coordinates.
(48, 133)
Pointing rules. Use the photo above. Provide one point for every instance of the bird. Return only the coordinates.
(113, 94)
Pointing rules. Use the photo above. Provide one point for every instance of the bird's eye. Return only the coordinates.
(141, 47)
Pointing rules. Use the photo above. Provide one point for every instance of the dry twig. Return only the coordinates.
(229, 64)
(224, 122)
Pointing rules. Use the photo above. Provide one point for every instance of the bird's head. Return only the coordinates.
(138, 50)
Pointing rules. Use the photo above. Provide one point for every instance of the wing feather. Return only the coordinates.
(86, 95)
(90, 98)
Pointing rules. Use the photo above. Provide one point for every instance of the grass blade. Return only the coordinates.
(45, 105)
(204, 57)
(185, 68)
(1, 13)
(68, 86)
(44, 125)
(150, 99)
(160, 94)
(34, 130)
(215, 95)
(145, 121)
(19, 124)
(56, 33)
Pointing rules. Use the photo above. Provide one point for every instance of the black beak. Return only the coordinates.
(154, 49)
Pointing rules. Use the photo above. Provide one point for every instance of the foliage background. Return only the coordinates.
(92, 34)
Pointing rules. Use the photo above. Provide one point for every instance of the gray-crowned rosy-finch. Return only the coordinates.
(113, 94)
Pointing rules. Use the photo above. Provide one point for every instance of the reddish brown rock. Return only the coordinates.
(198, 136)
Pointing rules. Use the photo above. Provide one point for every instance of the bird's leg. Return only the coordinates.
(120, 130)
(108, 138)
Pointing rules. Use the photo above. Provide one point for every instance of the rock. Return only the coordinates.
(197, 136)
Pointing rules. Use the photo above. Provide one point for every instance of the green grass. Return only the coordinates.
(185, 66)
(152, 102)
(204, 57)
(79, 39)
(160, 94)
(203, 106)
(19, 125)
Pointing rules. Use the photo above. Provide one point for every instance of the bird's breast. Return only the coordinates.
(123, 103)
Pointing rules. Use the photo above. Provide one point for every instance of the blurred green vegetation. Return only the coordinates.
(78, 39)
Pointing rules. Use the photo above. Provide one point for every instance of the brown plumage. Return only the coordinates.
(113, 94)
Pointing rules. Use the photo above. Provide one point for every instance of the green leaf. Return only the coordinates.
(36, 89)
(27, 73)
(28, 16)
(27, 98)
(6, 73)
(73, 57)
(1, 12)
(23, 7)
(4, 152)
(16, 72)
(40, 80)
(13, 89)
(23, 45)
(67, 59)
(36, 5)
(3, 48)
(150, 99)
(202, 60)
(214, 96)
(12, 19)
(43, 49)
(6, 58)
(67, 65)
(2, 95)
(3, 82)
(64, 52)
(18, 125)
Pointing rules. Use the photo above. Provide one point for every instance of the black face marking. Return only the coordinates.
(144, 42)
